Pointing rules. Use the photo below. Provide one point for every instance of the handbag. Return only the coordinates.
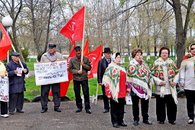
(128, 100)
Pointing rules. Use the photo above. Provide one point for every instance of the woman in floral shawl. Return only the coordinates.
(114, 80)
(166, 96)
(140, 82)
(4, 109)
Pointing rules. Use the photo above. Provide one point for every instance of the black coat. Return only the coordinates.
(102, 65)
(16, 83)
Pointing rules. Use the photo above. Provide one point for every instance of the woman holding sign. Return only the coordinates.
(3, 73)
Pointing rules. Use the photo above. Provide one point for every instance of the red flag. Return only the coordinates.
(74, 27)
(64, 85)
(94, 57)
(86, 48)
(5, 43)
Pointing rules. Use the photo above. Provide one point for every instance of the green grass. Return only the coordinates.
(30, 65)
(31, 89)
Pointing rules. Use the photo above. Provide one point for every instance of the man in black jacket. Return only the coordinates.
(16, 76)
(102, 65)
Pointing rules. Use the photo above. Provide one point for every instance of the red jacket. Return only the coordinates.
(122, 86)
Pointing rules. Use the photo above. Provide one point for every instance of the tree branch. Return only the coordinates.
(4, 3)
(170, 3)
(19, 10)
(123, 11)
(187, 19)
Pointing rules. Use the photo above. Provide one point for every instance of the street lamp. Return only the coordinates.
(7, 22)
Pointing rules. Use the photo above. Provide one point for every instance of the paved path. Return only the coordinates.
(32, 119)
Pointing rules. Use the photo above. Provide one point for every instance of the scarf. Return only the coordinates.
(139, 78)
(111, 79)
(157, 71)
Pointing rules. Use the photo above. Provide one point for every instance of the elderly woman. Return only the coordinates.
(166, 97)
(140, 81)
(187, 80)
(3, 73)
(114, 80)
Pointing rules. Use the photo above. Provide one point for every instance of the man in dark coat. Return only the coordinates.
(102, 65)
(16, 76)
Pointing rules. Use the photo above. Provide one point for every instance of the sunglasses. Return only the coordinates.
(192, 48)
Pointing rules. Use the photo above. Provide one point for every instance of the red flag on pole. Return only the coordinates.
(94, 57)
(5, 43)
(64, 85)
(74, 27)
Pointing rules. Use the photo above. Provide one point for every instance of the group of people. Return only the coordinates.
(138, 81)
(116, 82)
(15, 71)
(80, 78)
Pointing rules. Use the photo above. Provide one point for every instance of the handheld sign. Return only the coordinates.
(50, 72)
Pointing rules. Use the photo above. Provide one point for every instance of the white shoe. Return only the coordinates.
(5, 115)
(190, 121)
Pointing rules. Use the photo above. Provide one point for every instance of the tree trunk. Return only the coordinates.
(15, 42)
(180, 29)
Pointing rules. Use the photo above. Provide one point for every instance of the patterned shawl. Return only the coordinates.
(157, 71)
(111, 79)
(139, 77)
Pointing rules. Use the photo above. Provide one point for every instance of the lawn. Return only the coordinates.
(30, 65)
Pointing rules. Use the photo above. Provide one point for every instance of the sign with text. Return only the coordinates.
(4, 89)
(50, 72)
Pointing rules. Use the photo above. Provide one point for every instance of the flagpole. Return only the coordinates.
(82, 46)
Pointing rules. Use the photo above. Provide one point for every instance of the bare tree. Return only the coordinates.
(41, 13)
(13, 8)
(181, 27)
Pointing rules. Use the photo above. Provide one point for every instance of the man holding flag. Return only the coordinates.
(80, 77)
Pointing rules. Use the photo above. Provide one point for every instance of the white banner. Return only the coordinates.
(4, 89)
(50, 72)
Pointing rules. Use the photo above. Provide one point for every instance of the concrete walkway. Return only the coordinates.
(32, 119)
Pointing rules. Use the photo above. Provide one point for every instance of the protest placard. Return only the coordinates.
(50, 72)
(4, 89)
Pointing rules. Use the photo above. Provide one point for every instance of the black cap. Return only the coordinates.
(15, 54)
(77, 48)
(52, 45)
(107, 50)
